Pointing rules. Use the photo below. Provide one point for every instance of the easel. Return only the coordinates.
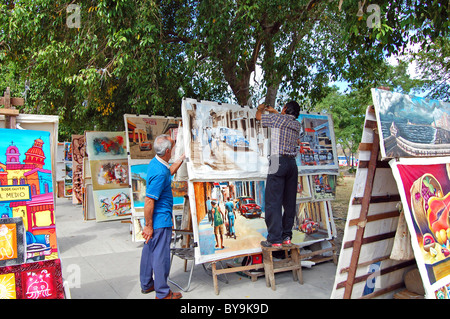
(9, 109)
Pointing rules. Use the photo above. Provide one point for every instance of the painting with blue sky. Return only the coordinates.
(411, 126)
(317, 146)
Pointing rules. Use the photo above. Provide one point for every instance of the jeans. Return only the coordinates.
(281, 194)
(155, 262)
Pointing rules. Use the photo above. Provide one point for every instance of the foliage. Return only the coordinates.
(145, 56)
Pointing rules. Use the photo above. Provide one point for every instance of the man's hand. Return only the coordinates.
(271, 109)
(147, 233)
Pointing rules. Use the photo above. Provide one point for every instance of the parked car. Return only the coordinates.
(236, 139)
(145, 146)
(248, 207)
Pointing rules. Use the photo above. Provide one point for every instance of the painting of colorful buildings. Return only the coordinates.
(26, 189)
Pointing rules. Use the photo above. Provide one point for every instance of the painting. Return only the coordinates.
(109, 174)
(317, 146)
(411, 126)
(68, 179)
(112, 204)
(27, 189)
(240, 206)
(223, 141)
(12, 241)
(311, 223)
(303, 188)
(39, 280)
(424, 186)
(323, 186)
(106, 145)
(141, 131)
(78, 154)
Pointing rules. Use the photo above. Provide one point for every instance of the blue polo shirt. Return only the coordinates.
(159, 188)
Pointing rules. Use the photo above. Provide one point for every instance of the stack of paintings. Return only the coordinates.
(227, 163)
(107, 153)
(140, 132)
(416, 131)
(29, 260)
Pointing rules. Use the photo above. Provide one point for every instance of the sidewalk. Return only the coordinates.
(100, 261)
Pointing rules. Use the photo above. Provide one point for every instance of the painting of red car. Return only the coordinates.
(309, 226)
(248, 207)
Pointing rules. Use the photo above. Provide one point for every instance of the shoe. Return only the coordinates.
(268, 244)
(287, 242)
(172, 295)
(149, 290)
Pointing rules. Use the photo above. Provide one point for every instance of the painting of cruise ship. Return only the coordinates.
(411, 126)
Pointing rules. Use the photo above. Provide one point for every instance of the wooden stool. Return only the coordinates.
(289, 263)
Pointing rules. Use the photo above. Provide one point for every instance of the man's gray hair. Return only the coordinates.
(162, 143)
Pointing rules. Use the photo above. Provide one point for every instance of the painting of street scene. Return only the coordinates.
(411, 126)
(324, 186)
(311, 223)
(316, 144)
(223, 140)
(141, 131)
(230, 220)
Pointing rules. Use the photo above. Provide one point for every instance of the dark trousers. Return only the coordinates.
(280, 194)
(155, 262)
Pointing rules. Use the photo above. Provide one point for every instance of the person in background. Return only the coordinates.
(157, 232)
(281, 183)
(219, 227)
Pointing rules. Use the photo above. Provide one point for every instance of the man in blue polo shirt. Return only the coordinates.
(157, 232)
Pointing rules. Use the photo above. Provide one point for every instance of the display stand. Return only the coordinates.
(372, 220)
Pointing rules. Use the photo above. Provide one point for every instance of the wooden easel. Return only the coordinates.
(9, 109)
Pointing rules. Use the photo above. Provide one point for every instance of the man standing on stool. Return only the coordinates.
(282, 178)
(157, 232)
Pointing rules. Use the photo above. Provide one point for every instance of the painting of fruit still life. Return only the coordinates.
(424, 186)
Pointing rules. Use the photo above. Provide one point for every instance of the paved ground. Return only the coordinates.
(100, 261)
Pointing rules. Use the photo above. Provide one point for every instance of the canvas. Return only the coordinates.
(323, 186)
(109, 174)
(112, 204)
(141, 131)
(317, 146)
(27, 189)
(12, 241)
(411, 126)
(39, 280)
(106, 145)
(311, 223)
(244, 228)
(223, 141)
(424, 186)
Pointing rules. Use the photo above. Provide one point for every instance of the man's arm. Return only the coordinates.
(149, 206)
(176, 165)
(259, 111)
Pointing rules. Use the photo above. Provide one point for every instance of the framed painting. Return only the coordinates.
(424, 187)
(12, 241)
(112, 204)
(27, 189)
(411, 126)
(141, 131)
(223, 141)
(106, 145)
(317, 145)
(38, 280)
